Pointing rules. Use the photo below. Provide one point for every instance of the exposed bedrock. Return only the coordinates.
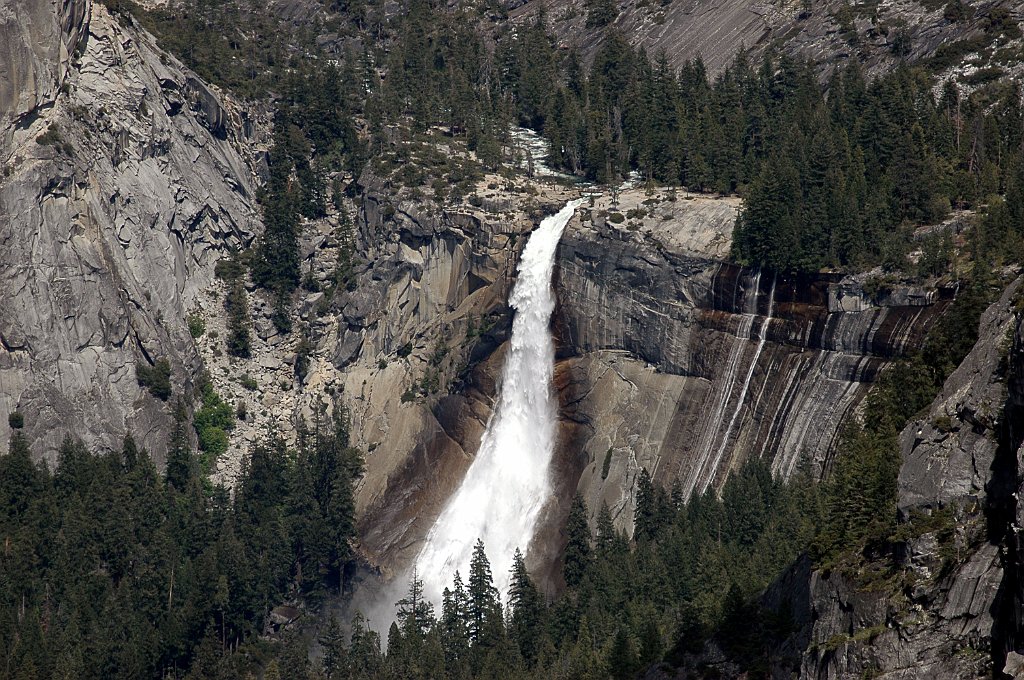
(679, 363)
(951, 607)
(118, 196)
(38, 41)
(716, 31)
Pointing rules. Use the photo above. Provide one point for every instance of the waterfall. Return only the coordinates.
(508, 482)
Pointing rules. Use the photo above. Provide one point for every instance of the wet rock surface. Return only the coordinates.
(686, 366)
(948, 608)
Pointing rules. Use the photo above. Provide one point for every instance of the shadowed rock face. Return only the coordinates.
(954, 610)
(688, 366)
(38, 41)
(108, 232)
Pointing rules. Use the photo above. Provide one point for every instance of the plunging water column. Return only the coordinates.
(509, 480)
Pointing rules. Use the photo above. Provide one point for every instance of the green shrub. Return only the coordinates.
(957, 11)
(239, 341)
(212, 422)
(302, 352)
(281, 316)
(230, 269)
(196, 325)
(248, 382)
(983, 75)
(616, 218)
(156, 378)
(51, 137)
(431, 382)
(439, 353)
(16, 420)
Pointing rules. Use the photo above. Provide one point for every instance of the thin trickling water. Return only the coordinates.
(722, 389)
(746, 383)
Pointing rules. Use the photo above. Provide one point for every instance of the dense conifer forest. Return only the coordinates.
(111, 569)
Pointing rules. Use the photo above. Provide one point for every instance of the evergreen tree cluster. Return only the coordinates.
(689, 574)
(439, 73)
(109, 569)
(829, 175)
(314, 136)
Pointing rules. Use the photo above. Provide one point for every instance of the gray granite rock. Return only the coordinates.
(108, 234)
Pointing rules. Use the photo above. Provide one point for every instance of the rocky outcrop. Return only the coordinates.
(948, 456)
(946, 606)
(681, 364)
(119, 195)
(413, 352)
(38, 41)
(827, 32)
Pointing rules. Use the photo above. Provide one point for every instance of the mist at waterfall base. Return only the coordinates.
(508, 482)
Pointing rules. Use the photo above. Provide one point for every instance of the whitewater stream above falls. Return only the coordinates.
(509, 481)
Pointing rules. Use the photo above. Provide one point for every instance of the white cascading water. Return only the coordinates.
(509, 480)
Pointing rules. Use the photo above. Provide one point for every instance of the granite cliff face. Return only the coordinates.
(38, 41)
(125, 179)
(947, 609)
(120, 190)
(829, 31)
(686, 366)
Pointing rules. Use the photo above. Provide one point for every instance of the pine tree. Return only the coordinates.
(454, 629)
(364, 657)
(415, 612)
(483, 596)
(652, 508)
(577, 548)
(182, 466)
(601, 12)
(622, 660)
(276, 264)
(525, 610)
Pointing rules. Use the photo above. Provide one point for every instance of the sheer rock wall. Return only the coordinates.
(109, 225)
(681, 364)
(952, 610)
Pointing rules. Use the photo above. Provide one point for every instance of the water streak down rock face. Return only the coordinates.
(676, 362)
(954, 610)
(508, 483)
(434, 277)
